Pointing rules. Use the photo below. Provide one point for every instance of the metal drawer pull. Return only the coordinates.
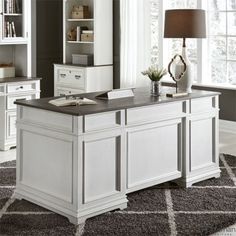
(63, 75)
(21, 87)
(77, 76)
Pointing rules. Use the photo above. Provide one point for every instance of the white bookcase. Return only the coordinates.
(15, 47)
(100, 21)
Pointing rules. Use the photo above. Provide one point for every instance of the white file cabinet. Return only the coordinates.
(9, 93)
(69, 79)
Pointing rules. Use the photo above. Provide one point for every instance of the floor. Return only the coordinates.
(227, 145)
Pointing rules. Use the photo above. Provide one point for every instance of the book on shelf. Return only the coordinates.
(7, 29)
(10, 30)
(18, 6)
(79, 31)
(13, 29)
(12, 6)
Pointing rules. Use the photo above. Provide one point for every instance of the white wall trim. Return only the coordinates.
(228, 126)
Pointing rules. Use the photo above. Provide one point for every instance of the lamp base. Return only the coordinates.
(185, 84)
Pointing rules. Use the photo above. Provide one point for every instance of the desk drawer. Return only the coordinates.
(68, 91)
(202, 104)
(154, 113)
(102, 121)
(23, 87)
(75, 77)
(12, 99)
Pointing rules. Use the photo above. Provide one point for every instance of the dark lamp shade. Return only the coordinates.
(185, 23)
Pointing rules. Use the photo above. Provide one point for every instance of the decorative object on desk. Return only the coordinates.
(155, 75)
(185, 23)
(71, 101)
(116, 94)
(72, 34)
(7, 71)
(80, 12)
(177, 77)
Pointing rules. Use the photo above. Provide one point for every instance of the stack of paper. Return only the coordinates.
(62, 102)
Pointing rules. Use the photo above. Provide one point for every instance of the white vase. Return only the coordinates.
(185, 84)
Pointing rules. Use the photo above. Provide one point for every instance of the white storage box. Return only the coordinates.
(82, 59)
(7, 72)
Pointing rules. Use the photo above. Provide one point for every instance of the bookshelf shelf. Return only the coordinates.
(80, 20)
(12, 14)
(80, 42)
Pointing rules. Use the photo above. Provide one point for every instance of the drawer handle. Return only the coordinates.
(18, 88)
(63, 75)
(77, 76)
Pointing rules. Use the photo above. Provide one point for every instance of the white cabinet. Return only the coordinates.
(99, 75)
(75, 80)
(11, 92)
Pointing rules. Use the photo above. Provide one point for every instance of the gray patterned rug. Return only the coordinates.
(162, 210)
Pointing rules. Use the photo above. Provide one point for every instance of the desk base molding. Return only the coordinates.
(190, 180)
(73, 216)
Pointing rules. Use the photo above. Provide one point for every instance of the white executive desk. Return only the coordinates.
(82, 161)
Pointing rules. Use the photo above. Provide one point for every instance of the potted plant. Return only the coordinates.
(155, 75)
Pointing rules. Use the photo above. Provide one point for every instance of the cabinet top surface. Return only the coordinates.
(142, 98)
(17, 79)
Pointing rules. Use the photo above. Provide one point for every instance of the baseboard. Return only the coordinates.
(228, 126)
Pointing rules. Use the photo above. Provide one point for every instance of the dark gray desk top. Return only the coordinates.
(17, 79)
(142, 98)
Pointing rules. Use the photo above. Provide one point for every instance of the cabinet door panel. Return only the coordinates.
(202, 144)
(11, 125)
(102, 160)
(153, 152)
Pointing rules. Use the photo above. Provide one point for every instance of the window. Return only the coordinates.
(222, 40)
(214, 57)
